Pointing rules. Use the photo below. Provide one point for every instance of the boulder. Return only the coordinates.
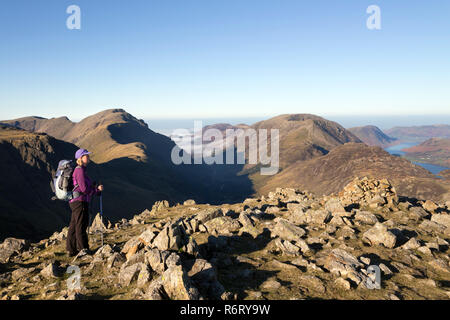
(52, 270)
(379, 234)
(12, 246)
(430, 206)
(129, 274)
(99, 224)
(208, 214)
(366, 217)
(286, 230)
(222, 225)
(178, 285)
(343, 264)
(160, 261)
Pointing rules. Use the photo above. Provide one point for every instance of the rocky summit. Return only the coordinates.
(365, 242)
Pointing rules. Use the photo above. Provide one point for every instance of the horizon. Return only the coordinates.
(384, 122)
(220, 59)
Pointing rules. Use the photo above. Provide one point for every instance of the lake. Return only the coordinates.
(434, 169)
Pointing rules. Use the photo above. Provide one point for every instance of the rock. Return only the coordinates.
(131, 247)
(130, 273)
(343, 264)
(432, 226)
(412, 244)
(10, 247)
(115, 260)
(21, 272)
(52, 270)
(99, 224)
(439, 265)
(287, 247)
(379, 234)
(334, 205)
(337, 221)
(385, 269)
(60, 236)
(270, 285)
(318, 217)
(189, 202)
(208, 214)
(147, 237)
(418, 212)
(172, 237)
(204, 276)
(300, 261)
(442, 219)
(312, 284)
(159, 205)
(342, 284)
(144, 276)
(430, 206)
(155, 291)
(160, 261)
(178, 286)
(369, 192)
(366, 217)
(222, 225)
(287, 231)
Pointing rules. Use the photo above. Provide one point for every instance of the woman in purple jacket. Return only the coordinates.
(77, 238)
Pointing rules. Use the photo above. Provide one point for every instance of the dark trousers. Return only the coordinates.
(77, 238)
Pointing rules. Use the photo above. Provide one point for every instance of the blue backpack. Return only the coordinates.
(62, 183)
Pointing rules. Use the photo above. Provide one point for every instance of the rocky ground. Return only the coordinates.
(286, 245)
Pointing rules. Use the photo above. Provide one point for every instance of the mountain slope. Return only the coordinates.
(372, 136)
(329, 173)
(136, 165)
(27, 163)
(435, 151)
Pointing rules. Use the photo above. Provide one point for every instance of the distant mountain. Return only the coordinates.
(27, 163)
(445, 174)
(135, 164)
(329, 173)
(373, 136)
(435, 151)
(420, 133)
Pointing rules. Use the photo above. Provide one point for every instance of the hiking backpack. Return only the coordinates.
(62, 183)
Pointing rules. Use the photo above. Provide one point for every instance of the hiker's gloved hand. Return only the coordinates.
(100, 187)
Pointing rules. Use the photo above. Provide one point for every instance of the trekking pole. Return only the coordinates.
(101, 215)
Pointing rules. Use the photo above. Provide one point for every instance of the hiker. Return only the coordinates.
(77, 238)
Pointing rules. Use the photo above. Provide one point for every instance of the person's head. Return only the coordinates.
(82, 156)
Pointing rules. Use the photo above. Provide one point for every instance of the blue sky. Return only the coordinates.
(224, 58)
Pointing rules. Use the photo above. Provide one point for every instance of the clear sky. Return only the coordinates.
(216, 58)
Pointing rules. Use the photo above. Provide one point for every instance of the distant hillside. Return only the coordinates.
(136, 164)
(445, 174)
(420, 133)
(373, 136)
(27, 163)
(329, 173)
(434, 151)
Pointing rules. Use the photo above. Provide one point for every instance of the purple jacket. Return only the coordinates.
(85, 185)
